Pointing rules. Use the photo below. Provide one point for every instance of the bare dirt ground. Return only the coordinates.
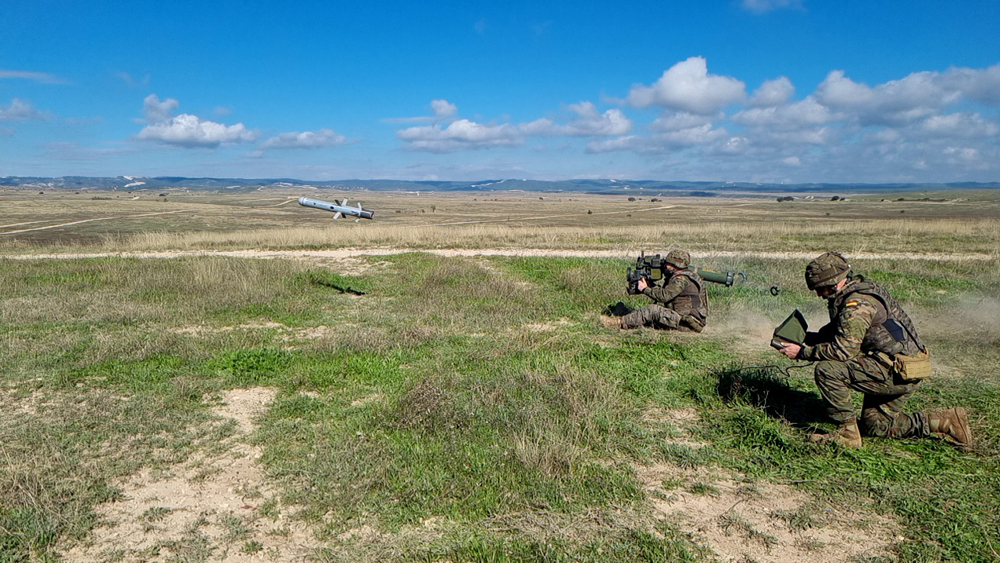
(764, 522)
(743, 521)
(216, 506)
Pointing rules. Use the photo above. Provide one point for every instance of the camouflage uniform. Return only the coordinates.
(854, 352)
(681, 303)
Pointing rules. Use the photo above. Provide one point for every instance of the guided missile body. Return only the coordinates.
(339, 209)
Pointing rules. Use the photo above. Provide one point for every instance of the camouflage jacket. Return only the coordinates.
(683, 292)
(864, 319)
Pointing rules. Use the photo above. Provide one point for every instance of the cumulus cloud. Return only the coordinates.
(186, 130)
(304, 140)
(628, 142)
(979, 85)
(905, 101)
(588, 123)
(797, 115)
(19, 110)
(156, 111)
(958, 125)
(677, 121)
(925, 126)
(460, 134)
(687, 86)
(772, 93)
(691, 136)
(466, 134)
(443, 109)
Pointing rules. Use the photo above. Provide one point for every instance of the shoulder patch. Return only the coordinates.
(851, 303)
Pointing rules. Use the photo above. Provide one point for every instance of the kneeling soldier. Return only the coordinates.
(870, 346)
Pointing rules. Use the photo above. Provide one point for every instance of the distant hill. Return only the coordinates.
(598, 186)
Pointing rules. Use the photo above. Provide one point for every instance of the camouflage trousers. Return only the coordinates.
(658, 316)
(884, 396)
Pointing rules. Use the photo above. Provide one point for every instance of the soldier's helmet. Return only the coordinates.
(826, 270)
(678, 258)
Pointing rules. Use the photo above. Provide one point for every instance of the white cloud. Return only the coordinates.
(132, 82)
(680, 120)
(797, 115)
(772, 93)
(465, 134)
(687, 86)
(460, 134)
(926, 126)
(735, 145)
(967, 125)
(19, 110)
(157, 111)
(443, 109)
(304, 140)
(982, 86)
(588, 123)
(43, 77)
(691, 136)
(187, 130)
(896, 103)
(763, 6)
(629, 142)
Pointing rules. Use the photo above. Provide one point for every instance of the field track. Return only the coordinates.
(345, 253)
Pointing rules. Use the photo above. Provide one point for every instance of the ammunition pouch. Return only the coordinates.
(912, 367)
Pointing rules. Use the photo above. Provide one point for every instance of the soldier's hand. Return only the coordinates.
(791, 350)
(642, 285)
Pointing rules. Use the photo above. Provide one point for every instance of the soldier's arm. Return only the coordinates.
(825, 334)
(666, 294)
(849, 330)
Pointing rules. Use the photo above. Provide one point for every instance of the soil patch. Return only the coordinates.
(764, 522)
(216, 506)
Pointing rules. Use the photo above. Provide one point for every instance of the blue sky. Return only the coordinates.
(728, 90)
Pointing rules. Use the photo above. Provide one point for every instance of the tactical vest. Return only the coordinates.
(892, 331)
(693, 300)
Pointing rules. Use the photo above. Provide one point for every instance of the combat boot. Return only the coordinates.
(847, 435)
(953, 426)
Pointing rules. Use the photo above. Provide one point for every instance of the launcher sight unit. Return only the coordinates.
(650, 268)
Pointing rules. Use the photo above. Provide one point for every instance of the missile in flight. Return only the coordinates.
(339, 209)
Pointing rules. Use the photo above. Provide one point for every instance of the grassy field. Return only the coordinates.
(472, 408)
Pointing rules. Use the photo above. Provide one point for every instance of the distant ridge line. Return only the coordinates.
(645, 188)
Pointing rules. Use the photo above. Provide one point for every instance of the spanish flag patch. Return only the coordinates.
(851, 304)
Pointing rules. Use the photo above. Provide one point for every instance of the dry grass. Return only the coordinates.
(205, 221)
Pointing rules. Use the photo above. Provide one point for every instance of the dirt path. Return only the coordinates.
(82, 221)
(342, 253)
